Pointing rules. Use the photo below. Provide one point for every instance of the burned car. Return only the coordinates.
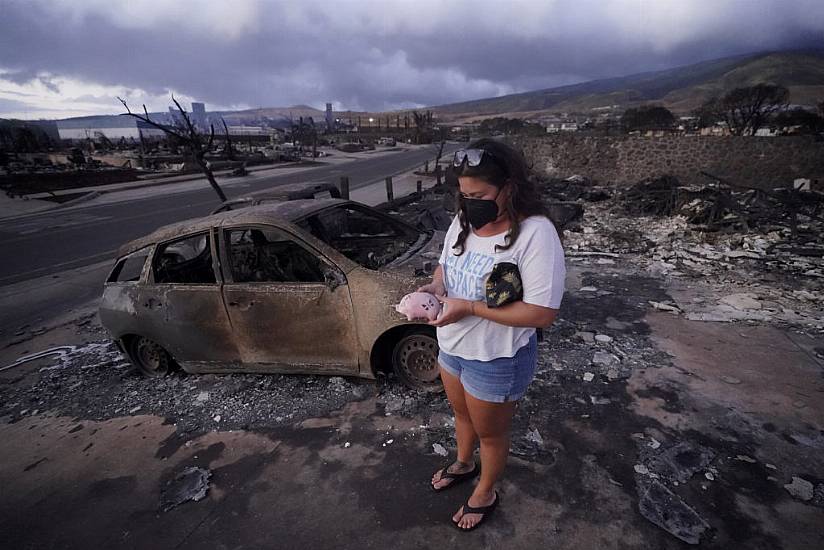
(288, 192)
(304, 286)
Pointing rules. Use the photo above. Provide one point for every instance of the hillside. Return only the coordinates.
(681, 89)
(293, 112)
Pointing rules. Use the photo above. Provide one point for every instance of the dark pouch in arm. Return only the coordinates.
(504, 286)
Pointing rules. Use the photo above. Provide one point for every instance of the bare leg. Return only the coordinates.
(464, 432)
(492, 422)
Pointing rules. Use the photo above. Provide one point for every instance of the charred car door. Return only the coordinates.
(289, 306)
(184, 303)
(120, 307)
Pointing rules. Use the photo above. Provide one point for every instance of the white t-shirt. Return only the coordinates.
(540, 259)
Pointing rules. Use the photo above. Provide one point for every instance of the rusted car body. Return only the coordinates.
(305, 286)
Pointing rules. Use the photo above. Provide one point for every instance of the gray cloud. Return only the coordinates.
(12, 105)
(380, 54)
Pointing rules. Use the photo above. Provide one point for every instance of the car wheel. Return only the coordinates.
(150, 358)
(415, 361)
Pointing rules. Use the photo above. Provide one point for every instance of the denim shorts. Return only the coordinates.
(498, 380)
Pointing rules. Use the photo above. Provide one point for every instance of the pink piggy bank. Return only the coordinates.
(419, 305)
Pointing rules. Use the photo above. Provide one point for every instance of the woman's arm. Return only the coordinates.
(516, 314)
(436, 287)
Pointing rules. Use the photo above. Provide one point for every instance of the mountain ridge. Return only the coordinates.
(680, 88)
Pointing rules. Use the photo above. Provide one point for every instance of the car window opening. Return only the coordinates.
(266, 255)
(129, 268)
(185, 261)
(370, 240)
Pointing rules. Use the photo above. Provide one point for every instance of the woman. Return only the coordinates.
(488, 355)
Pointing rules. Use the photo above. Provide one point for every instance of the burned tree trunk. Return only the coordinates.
(440, 153)
(188, 136)
(230, 152)
(206, 169)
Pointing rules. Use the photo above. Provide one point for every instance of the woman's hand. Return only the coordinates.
(452, 311)
(435, 287)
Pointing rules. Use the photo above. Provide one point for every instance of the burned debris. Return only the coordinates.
(756, 253)
(666, 510)
(711, 253)
(724, 205)
(580, 418)
(95, 382)
(190, 484)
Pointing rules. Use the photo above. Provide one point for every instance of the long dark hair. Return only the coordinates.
(502, 165)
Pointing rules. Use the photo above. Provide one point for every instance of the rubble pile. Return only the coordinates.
(723, 205)
(95, 382)
(778, 266)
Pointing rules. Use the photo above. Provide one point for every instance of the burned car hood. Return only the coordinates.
(422, 259)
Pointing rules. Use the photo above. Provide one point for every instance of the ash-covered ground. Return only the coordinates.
(679, 397)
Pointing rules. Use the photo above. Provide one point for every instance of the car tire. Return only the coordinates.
(150, 358)
(415, 361)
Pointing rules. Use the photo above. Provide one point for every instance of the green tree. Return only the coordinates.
(423, 126)
(708, 114)
(647, 117)
(806, 122)
(747, 109)
(502, 124)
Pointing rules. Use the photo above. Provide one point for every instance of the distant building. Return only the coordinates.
(249, 131)
(330, 120)
(199, 115)
(553, 127)
(719, 129)
(659, 132)
(113, 127)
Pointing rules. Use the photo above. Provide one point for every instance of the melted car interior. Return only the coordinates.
(267, 255)
(364, 237)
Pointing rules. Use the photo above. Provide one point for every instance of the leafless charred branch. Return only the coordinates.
(188, 135)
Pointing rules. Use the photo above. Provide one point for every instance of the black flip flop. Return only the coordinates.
(484, 510)
(456, 478)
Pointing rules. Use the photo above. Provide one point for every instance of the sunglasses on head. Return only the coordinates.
(472, 157)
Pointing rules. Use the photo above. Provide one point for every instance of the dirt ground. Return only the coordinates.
(641, 425)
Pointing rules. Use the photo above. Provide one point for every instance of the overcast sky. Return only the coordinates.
(63, 58)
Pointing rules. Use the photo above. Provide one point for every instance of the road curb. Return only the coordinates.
(86, 197)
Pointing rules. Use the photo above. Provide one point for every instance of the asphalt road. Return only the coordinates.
(53, 242)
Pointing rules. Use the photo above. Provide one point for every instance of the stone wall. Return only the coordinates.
(621, 160)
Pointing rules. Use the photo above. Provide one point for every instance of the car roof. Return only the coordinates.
(288, 211)
(288, 188)
(282, 193)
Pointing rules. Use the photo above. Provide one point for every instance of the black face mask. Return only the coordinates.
(480, 212)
